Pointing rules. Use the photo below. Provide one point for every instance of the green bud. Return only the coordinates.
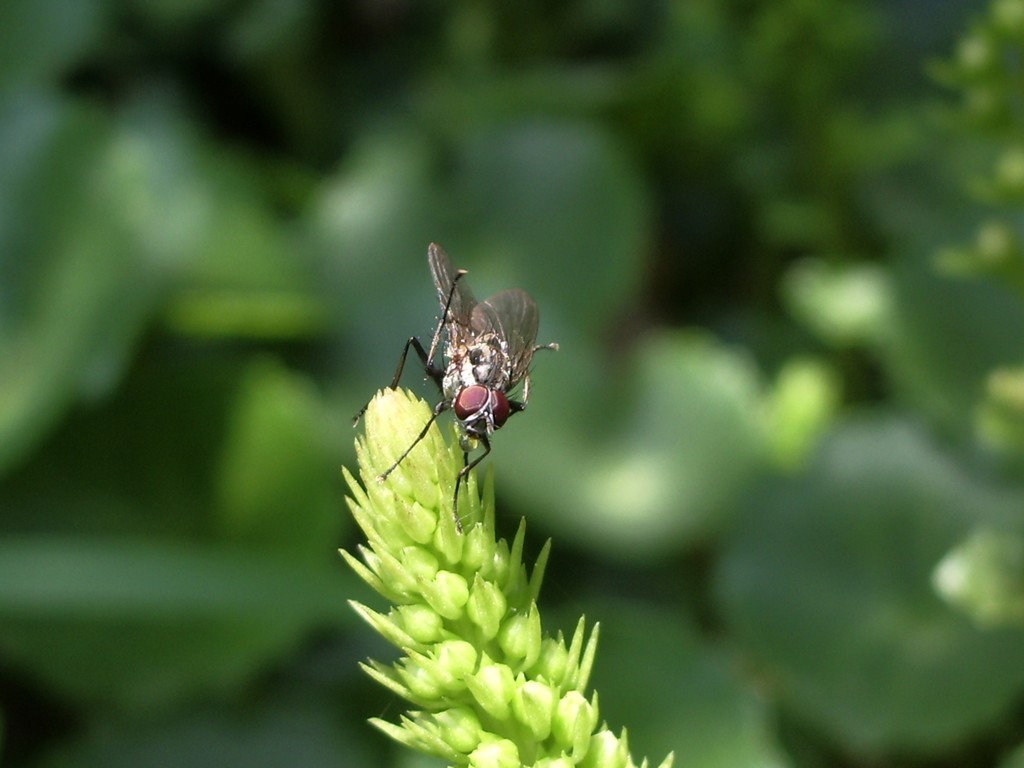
(443, 669)
(426, 490)
(398, 733)
(497, 570)
(418, 521)
(493, 686)
(447, 594)
(424, 734)
(554, 762)
(516, 582)
(486, 607)
(390, 627)
(533, 703)
(460, 728)
(477, 548)
(552, 662)
(399, 483)
(500, 753)
(520, 638)
(587, 660)
(607, 751)
(455, 594)
(388, 677)
(419, 562)
(537, 575)
(391, 424)
(448, 542)
(367, 574)
(421, 623)
(394, 574)
(456, 660)
(573, 723)
(419, 674)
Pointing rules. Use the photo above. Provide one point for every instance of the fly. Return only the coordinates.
(488, 347)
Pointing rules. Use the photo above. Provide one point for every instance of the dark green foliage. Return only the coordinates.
(780, 449)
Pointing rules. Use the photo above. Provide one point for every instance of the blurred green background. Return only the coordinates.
(781, 450)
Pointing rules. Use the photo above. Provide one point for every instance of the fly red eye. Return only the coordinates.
(499, 408)
(470, 400)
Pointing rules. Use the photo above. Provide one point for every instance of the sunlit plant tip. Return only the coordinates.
(489, 686)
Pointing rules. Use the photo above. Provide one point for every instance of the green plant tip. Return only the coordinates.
(490, 687)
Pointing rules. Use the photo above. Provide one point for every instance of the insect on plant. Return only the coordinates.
(488, 347)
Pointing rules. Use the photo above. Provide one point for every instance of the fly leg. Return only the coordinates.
(515, 406)
(435, 374)
(467, 465)
(444, 314)
(440, 408)
(428, 363)
(426, 358)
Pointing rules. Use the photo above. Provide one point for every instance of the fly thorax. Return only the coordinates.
(486, 359)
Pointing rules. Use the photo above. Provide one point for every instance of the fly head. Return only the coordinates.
(481, 410)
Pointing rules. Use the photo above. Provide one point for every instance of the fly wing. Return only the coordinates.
(514, 317)
(462, 301)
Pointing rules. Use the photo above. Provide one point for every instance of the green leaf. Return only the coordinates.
(277, 487)
(680, 694)
(287, 729)
(662, 462)
(40, 40)
(946, 338)
(132, 622)
(1014, 760)
(827, 585)
(137, 571)
(576, 263)
(97, 217)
